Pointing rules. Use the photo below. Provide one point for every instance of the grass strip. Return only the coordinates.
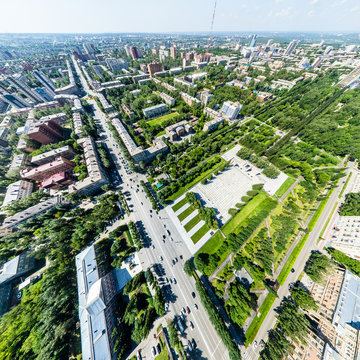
(186, 213)
(200, 233)
(284, 187)
(244, 213)
(258, 320)
(179, 205)
(195, 220)
(327, 222)
(345, 185)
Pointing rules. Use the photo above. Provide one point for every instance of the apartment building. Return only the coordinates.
(17, 191)
(60, 164)
(116, 65)
(206, 97)
(189, 100)
(213, 124)
(105, 104)
(231, 109)
(77, 123)
(154, 67)
(46, 132)
(66, 152)
(127, 111)
(155, 110)
(96, 175)
(167, 98)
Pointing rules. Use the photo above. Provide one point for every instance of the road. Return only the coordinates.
(160, 245)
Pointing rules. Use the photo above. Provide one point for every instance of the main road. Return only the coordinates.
(165, 247)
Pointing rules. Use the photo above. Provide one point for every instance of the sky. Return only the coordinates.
(94, 16)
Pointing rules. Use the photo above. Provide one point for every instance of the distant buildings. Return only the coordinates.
(291, 47)
(17, 191)
(45, 81)
(231, 109)
(134, 52)
(155, 110)
(17, 82)
(317, 62)
(116, 65)
(351, 78)
(173, 52)
(252, 40)
(154, 67)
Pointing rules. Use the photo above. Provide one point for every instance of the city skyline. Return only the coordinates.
(157, 16)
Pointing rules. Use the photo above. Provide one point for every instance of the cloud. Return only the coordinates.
(356, 8)
(243, 6)
(338, 3)
(270, 13)
(283, 12)
(311, 13)
(278, 1)
(313, 2)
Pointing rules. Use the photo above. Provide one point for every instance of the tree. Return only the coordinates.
(302, 297)
(188, 268)
(201, 261)
(317, 266)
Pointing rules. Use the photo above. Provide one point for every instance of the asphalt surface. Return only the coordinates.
(154, 229)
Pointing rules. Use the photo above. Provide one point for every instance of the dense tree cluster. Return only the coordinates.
(351, 205)
(317, 266)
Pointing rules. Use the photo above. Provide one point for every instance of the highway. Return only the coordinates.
(155, 228)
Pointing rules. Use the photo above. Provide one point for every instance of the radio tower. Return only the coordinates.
(211, 29)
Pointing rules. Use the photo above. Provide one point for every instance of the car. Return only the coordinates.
(255, 345)
(196, 306)
(174, 281)
(173, 262)
(183, 310)
(181, 257)
(191, 325)
(193, 343)
(19, 295)
(153, 351)
(190, 345)
(158, 347)
(262, 343)
(187, 310)
(161, 258)
(292, 270)
(193, 294)
(171, 280)
(164, 237)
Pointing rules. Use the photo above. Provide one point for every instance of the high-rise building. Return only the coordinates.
(252, 40)
(43, 92)
(46, 132)
(317, 62)
(154, 67)
(328, 50)
(173, 52)
(46, 81)
(231, 109)
(134, 52)
(206, 97)
(291, 47)
(13, 99)
(21, 87)
(163, 54)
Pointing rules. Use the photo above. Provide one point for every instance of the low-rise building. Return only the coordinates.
(263, 96)
(213, 124)
(18, 161)
(127, 111)
(167, 98)
(178, 130)
(105, 104)
(14, 221)
(155, 110)
(7, 122)
(137, 78)
(17, 191)
(4, 133)
(182, 81)
(96, 175)
(59, 118)
(96, 294)
(65, 151)
(24, 145)
(44, 171)
(211, 113)
(205, 97)
(189, 100)
(282, 84)
(77, 123)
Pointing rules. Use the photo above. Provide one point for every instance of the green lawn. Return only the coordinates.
(200, 233)
(244, 213)
(179, 205)
(195, 220)
(161, 119)
(258, 320)
(284, 187)
(213, 243)
(186, 213)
